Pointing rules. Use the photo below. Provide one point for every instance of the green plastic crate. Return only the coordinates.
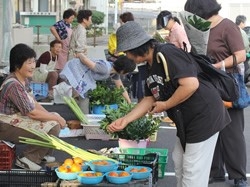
(163, 156)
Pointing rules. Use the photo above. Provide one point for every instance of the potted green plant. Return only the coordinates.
(104, 96)
(136, 131)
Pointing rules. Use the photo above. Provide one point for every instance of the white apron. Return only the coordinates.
(39, 76)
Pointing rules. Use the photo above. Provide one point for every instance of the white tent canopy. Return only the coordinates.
(6, 41)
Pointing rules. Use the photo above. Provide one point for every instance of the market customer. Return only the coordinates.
(45, 71)
(82, 73)
(20, 111)
(78, 43)
(193, 104)
(112, 44)
(177, 34)
(138, 79)
(62, 32)
(225, 40)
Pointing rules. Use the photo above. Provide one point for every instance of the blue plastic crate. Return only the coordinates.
(39, 89)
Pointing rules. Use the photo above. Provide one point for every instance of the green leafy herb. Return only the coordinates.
(157, 36)
(139, 129)
(198, 23)
(105, 95)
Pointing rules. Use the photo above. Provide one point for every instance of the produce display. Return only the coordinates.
(139, 172)
(90, 177)
(101, 166)
(118, 177)
(73, 168)
(75, 164)
(66, 175)
(54, 142)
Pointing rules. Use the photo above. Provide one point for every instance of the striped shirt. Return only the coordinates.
(14, 97)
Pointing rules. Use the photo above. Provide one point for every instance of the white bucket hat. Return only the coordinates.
(130, 36)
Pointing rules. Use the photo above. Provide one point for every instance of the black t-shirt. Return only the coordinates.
(203, 113)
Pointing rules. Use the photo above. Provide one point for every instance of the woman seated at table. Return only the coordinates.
(19, 110)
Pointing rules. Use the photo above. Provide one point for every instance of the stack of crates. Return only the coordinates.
(163, 156)
(20, 177)
(149, 160)
(7, 156)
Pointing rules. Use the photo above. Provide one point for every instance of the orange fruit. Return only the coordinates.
(104, 162)
(143, 170)
(63, 169)
(82, 174)
(89, 174)
(68, 162)
(113, 174)
(123, 174)
(98, 174)
(75, 168)
(134, 170)
(78, 160)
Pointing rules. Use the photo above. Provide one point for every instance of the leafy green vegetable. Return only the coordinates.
(76, 109)
(105, 95)
(157, 36)
(198, 23)
(139, 129)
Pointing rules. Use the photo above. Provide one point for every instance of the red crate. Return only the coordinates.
(7, 156)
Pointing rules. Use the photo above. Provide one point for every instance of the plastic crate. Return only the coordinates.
(26, 178)
(163, 156)
(7, 156)
(39, 89)
(92, 130)
(150, 160)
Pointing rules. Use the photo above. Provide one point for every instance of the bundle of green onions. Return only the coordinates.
(54, 142)
(76, 109)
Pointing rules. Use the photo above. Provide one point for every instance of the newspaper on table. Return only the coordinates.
(197, 38)
(83, 79)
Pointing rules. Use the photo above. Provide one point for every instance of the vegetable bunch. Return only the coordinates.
(76, 109)
(157, 36)
(105, 95)
(198, 23)
(139, 129)
(54, 142)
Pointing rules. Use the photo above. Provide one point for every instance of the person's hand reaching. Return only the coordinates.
(117, 125)
(158, 107)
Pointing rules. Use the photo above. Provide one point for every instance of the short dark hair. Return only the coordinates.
(127, 16)
(143, 49)
(203, 8)
(68, 13)
(19, 54)
(124, 65)
(240, 19)
(83, 14)
(53, 42)
(163, 18)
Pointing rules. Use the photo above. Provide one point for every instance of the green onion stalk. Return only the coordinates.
(51, 141)
(76, 109)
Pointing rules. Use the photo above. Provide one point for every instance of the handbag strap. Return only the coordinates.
(235, 67)
(160, 58)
